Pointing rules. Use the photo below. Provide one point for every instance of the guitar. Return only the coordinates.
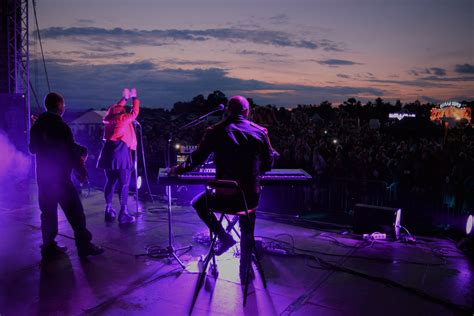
(79, 163)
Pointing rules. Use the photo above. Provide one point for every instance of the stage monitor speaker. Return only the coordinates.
(368, 219)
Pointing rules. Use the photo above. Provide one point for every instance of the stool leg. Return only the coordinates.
(211, 254)
(202, 274)
(259, 265)
(231, 225)
(249, 261)
(247, 272)
(214, 264)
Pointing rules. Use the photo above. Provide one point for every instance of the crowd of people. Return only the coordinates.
(435, 166)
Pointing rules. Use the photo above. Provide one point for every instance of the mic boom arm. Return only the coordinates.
(199, 119)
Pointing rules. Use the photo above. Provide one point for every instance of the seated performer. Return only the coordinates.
(242, 152)
(116, 155)
(57, 155)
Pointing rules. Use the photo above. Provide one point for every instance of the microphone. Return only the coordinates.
(220, 107)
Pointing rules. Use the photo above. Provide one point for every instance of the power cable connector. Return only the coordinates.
(409, 239)
(374, 236)
(271, 248)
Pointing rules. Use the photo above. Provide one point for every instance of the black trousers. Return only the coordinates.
(211, 221)
(50, 194)
(122, 177)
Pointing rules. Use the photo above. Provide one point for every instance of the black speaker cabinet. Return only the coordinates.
(368, 219)
(13, 119)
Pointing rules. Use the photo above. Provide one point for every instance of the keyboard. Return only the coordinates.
(202, 176)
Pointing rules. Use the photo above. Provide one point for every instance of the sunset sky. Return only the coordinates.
(277, 52)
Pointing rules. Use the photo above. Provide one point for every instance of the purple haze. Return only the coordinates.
(14, 165)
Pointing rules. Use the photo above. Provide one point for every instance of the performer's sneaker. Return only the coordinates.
(126, 218)
(110, 214)
(89, 250)
(225, 243)
(50, 252)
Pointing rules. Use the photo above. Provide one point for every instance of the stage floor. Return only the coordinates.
(387, 278)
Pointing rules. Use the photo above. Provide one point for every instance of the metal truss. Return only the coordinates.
(18, 52)
(18, 59)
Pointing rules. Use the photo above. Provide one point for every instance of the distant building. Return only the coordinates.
(90, 123)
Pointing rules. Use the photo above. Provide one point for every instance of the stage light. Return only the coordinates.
(334, 141)
(325, 132)
(177, 146)
(139, 182)
(458, 226)
(469, 224)
(466, 244)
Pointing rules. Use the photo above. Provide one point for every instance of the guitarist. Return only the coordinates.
(57, 154)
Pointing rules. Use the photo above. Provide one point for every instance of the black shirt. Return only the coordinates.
(242, 151)
(56, 152)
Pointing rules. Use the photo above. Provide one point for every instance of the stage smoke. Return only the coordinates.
(14, 165)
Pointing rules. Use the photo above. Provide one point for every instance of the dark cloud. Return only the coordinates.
(192, 62)
(98, 86)
(433, 77)
(430, 99)
(279, 19)
(117, 38)
(343, 76)
(446, 79)
(412, 83)
(57, 60)
(337, 62)
(455, 97)
(100, 55)
(367, 75)
(464, 69)
(262, 54)
(463, 98)
(331, 46)
(437, 71)
(85, 21)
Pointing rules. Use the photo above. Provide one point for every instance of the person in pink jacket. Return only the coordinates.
(116, 154)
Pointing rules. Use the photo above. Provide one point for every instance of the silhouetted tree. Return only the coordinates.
(215, 98)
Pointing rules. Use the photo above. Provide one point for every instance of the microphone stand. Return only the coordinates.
(170, 250)
(135, 167)
(199, 120)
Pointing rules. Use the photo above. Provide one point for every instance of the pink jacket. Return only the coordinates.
(119, 124)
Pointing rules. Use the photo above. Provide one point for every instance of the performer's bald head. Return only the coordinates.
(238, 105)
